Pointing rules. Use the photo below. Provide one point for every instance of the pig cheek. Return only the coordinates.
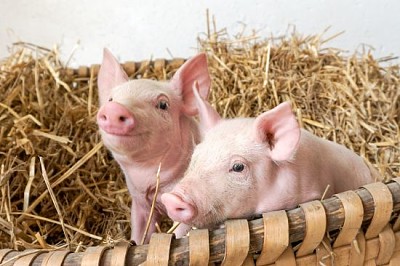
(241, 179)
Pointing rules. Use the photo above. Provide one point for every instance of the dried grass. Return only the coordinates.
(59, 186)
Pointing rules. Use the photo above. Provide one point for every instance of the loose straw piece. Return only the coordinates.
(153, 204)
(53, 198)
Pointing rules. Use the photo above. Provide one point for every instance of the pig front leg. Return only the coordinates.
(139, 217)
(182, 230)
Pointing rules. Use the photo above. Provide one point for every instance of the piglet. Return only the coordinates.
(247, 166)
(146, 122)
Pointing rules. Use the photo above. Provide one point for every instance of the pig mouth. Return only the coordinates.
(119, 134)
(209, 219)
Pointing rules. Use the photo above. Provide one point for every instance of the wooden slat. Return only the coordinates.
(287, 258)
(383, 208)
(28, 259)
(55, 258)
(386, 247)
(237, 242)
(159, 246)
(357, 251)
(315, 217)
(354, 213)
(119, 252)
(276, 237)
(3, 253)
(199, 247)
(93, 255)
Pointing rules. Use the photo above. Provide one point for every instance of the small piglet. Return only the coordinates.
(248, 166)
(145, 122)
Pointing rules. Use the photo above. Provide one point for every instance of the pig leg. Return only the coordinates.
(139, 217)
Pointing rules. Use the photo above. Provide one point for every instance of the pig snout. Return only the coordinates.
(115, 119)
(178, 209)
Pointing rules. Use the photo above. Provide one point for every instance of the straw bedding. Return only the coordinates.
(60, 188)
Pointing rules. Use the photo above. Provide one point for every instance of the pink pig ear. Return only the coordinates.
(195, 69)
(207, 115)
(280, 129)
(111, 74)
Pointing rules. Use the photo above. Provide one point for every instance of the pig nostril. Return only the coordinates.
(122, 118)
(103, 117)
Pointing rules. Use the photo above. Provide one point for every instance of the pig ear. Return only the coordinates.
(195, 69)
(111, 74)
(280, 129)
(207, 115)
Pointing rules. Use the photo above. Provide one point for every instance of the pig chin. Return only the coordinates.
(123, 144)
(209, 220)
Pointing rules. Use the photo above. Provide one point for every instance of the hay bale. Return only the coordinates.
(59, 187)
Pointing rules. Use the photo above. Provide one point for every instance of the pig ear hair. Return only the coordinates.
(111, 74)
(208, 116)
(280, 129)
(195, 69)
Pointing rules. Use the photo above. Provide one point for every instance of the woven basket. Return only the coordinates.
(358, 227)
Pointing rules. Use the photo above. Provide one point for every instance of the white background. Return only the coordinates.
(136, 30)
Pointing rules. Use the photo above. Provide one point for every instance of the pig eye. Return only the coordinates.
(110, 99)
(237, 167)
(163, 105)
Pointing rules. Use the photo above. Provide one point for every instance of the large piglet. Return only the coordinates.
(144, 123)
(248, 166)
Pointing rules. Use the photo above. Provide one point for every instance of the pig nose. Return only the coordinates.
(177, 209)
(115, 119)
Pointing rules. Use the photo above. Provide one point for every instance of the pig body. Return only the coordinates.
(248, 166)
(144, 123)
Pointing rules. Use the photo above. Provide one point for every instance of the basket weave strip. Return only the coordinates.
(315, 216)
(55, 258)
(354, 213)
(28, 259)
(357, 250)
(237, 241)
(93, 255)
(287, 258)
(276, 237)
(3, 253)
(199, 247)
(387, 243)
(159, 246)
(383, 208)
(119, 253)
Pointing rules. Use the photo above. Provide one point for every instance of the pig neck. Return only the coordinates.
(316, 164)
(174, 158)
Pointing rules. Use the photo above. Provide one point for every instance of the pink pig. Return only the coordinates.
(248, 166)
(145, 122)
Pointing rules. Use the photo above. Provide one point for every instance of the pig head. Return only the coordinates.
(146, 122)
(247, 166)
